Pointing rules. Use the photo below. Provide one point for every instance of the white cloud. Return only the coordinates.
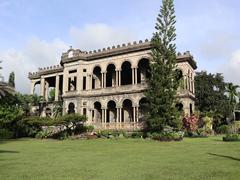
(36, 53)
(39, 53)
(94, 36)
(218, 45)
(231, 69)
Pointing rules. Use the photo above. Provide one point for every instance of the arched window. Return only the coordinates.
(111, 112)
(111, 76)
(71, 108)
(126, 73)
(143, 70)
(97, 78)
(127, 111)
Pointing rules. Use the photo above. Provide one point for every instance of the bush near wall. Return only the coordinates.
(231, 137)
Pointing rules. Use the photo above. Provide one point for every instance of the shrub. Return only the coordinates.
(5, 134)
(89, 128)
(71, 121)
(223, 129)
(190, 123)
(136, 134)
(168, 136)
(204, 132)
(231, 137)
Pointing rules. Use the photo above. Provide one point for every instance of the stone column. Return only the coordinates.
(103, 115)
(89, 81)
(105, 79)
(135, 75)
(120, 115)
(42, 88)
(134, 114)
(46, 90)
(32, 87)
(102, 83)
(90, 117)
(57, 88)
(137, 120)
(116, 80)
(117, 119)
(119, 77)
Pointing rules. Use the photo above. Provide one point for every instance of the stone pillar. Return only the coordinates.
(42, 87)
(89, 81)
(134, 114)
(135, 75)
(57, 88)
(116, 81)
(137, 117)
(120, 115)
(119, 78)
(103, 115)
(105, 79)
(117, 119)
(102, 83)
(90, 117)
(193, 86)
(46, 90)
(32, 87)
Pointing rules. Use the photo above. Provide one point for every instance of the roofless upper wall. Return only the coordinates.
(75, 55)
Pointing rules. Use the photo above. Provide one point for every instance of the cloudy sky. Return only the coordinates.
(34, 33)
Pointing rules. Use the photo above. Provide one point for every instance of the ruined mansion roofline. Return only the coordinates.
(73, 55)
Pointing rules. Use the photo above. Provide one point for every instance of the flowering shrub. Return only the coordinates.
(190, 123)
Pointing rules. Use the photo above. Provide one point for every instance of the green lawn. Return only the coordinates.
(200, 158)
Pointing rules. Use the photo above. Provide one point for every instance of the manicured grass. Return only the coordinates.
(198, 158)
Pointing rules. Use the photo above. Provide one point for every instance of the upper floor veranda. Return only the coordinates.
(120, 69)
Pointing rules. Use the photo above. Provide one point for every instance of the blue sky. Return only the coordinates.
(34, 33)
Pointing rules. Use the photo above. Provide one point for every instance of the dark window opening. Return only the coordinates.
(126, 73)
(84, 83)
(84, 111)
(71, 108)
(72, 71)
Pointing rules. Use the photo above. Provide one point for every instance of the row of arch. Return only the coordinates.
(124, 76)
(127, 113)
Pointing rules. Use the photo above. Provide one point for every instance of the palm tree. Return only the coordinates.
(233, 96)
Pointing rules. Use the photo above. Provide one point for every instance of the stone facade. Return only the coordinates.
(108, 85)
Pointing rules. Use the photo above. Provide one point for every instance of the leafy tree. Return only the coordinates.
(57, 109)
(233, 95)
(211, 98)
(71, 121)
(52, 94)
(11, 80)
(164, 81)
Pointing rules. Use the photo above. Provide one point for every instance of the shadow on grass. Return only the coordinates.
(6, 151)
(224, 156)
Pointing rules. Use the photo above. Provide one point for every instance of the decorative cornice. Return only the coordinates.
(45, 71)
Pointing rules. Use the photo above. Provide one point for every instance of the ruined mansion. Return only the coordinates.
(108, 85)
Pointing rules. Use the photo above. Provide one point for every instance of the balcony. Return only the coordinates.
(116, 90)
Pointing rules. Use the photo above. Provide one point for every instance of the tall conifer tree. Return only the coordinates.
(11, 80)
(164, 80)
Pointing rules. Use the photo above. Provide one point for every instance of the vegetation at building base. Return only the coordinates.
(217, 100)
